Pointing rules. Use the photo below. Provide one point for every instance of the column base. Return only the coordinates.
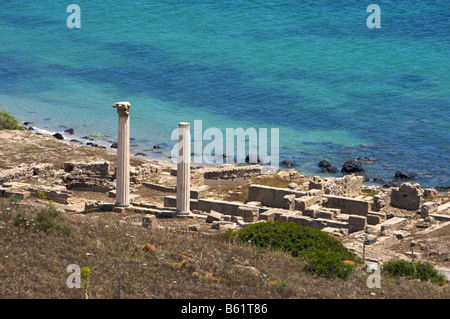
(175, 214)
(121, 204)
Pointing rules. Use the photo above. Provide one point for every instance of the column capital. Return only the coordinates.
(122, 108)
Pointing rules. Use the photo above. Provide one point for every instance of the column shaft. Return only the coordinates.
(183, 168)
(123, 155)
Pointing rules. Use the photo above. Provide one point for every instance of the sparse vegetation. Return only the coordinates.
(324, 255)
(183, 264)
(47, 219)
(9, 122)
(413, 270)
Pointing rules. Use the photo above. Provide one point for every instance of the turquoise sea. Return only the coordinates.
(336, 89)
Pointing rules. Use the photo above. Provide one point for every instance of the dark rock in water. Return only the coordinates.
(140, 154)
(30, 128)
(74, 141)
(330, 169)
(287, 163)
(352, 166)
(442, 188)
(157, 147)
(69, 131)
(379, 181)
(58, 136)
(92, 144)
(327, 167)
(324, 163)
(365, 159)
(404, 175)
(114, 145)
(227, 158)
(393, 184)
(27, 123)
(258, 159)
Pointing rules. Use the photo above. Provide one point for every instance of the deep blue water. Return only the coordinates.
(336, 89)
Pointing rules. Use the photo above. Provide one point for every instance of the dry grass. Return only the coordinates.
(181, 264)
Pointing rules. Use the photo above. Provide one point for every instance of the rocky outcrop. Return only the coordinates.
(351, 167)
(327, 167)
(287, 163)
(403, 175)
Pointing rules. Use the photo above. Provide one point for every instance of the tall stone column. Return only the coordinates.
(183, 168)
(123, 155)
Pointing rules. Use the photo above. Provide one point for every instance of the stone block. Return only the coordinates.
(268, 215)
(374, 218)
(249, 214)
(357, 223)
(347, 205)
(319, 223)
(149, 221)
(311, 211)
(407, 196)
(392, 224)
(440, 217)
(235, 219)
(428, 208)
(18, 194)
(325, 214)
(220, 224)
(336, 232)
(288, 202)
(337, 224)
(213, 216)
(304, 202)
(301, 220)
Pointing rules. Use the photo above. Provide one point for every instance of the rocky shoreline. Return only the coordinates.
(162, 153)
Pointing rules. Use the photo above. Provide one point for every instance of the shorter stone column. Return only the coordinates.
(183, 169)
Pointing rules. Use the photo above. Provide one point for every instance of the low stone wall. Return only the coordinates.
(87, 168)
(271, 196)
(347, 205)
(231, 172)
(23, 171)
(349, 185)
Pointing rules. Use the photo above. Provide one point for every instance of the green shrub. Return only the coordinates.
(324, 255)
(419, 270)
(9, 122)
(47, 219)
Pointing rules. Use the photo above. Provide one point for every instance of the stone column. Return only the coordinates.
(123, 155)
(183, 168)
